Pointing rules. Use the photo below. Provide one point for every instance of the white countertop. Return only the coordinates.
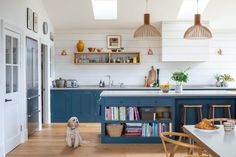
(139, 87)
(171, 93)
(217, 142)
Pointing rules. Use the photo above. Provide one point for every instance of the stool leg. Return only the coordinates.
(229, 112)
(200, 110)
(213, 113)
(225, 109)
(185, 112)
(209, 114)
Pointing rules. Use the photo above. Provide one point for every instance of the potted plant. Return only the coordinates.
(219, 80)
(227, 80)
(180, 77)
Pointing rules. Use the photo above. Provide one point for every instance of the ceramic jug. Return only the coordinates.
(80, 46)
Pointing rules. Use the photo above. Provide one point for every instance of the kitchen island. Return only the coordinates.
(149, 105)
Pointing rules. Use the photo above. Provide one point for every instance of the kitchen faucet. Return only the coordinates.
(109, 77)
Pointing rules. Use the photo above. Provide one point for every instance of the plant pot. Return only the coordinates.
(227, 84)
(218, 84)
(178, 88)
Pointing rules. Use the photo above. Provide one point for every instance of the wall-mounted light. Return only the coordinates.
(63, 53)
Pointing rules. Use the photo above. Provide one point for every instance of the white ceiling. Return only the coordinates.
(78, 14)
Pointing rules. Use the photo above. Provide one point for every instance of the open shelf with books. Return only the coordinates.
(140, 123)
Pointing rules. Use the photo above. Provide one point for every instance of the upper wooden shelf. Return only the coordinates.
(120, 58)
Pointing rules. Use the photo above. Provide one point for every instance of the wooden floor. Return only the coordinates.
(50, 142)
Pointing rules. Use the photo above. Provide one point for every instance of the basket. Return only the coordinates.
(114, 130)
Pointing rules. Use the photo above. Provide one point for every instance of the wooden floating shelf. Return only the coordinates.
(89, 58)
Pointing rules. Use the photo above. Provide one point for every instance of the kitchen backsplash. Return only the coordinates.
(201, 73)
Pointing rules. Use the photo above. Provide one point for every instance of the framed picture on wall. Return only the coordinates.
(35, 21)
(29, 19)
(113, 41)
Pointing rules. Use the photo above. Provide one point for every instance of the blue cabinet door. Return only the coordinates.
(82, 105)
(60, 106)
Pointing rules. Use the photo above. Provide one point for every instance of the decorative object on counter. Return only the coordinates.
(227, 80)
(150, 52)
(80, 46)
(100, 84)
(71, 83)
(29, 19)
(91, 49)
(63, 53)
(35, 20)
(197, 31)
(145, 81)
(219, 80)
(220, 52)
(151, 77)
(147, 30)
(60, 83)
(158, 78)
(103, 84)
(114, 50)
(45, 28)
(180, 77)
(165, 88)
(99, 49)
(113, 42)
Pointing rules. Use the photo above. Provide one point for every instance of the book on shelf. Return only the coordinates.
(155, 129)
(122, 113)
(133, 129)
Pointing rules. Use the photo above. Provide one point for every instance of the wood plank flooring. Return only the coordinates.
(50, 142)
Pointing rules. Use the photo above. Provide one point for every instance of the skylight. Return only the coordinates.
(105, 9)
(189, 8)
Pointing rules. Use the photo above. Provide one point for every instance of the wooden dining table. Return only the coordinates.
(217, 142)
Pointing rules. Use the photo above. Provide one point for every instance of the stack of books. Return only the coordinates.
(133, 129)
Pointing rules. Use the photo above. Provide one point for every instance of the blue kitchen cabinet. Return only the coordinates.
(60, 106)
(80, 103)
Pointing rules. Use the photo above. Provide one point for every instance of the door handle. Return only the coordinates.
(6, 100)
(33, 97)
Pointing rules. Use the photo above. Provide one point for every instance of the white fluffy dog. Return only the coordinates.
(73, 138)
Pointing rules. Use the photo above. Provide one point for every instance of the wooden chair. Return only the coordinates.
(221, 120)
(179, 143)
(213, 108)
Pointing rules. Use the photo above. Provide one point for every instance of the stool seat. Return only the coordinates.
(188, 106)
(226, 108)
(192, 106)
(222, 106)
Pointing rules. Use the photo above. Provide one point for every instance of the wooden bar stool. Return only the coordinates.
(199, 109)
(213, 108)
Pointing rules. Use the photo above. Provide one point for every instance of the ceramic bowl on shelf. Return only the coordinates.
(165, 88)
(91, 49)
(99, 49)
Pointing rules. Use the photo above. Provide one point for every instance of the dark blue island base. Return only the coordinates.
(112, 101)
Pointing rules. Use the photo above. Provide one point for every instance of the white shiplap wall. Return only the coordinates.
(201, 73)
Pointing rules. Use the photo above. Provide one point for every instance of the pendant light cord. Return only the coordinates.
(146, 6)
(197, 6)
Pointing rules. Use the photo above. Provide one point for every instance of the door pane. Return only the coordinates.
(15, 51)
(8, 79)
(15, 78)
(8, 49)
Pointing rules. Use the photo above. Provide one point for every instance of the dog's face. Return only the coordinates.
(73, 122)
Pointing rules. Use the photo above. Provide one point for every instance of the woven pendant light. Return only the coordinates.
(146, 30)
(197, 31)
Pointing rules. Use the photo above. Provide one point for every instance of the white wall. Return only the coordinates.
(201, 73)
(14, 13)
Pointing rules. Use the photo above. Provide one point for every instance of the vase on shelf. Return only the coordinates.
(80, 46)
(179, 87)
